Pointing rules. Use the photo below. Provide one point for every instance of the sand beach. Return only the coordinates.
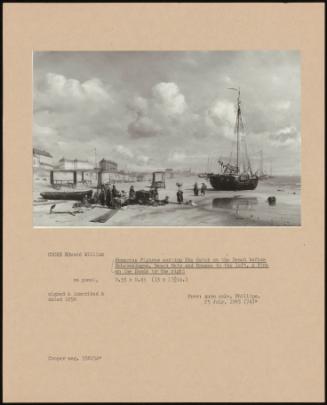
(216, 208)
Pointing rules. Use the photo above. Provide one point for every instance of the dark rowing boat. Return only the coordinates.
(66, 195)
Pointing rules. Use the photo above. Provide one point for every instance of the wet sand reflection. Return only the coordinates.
(235, 202)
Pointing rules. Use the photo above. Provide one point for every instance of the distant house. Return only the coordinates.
(108, 165)
(42, 159)
(74, 164)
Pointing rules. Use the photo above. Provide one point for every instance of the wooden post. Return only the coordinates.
(51, 177)
(82, 177)
(75, 177)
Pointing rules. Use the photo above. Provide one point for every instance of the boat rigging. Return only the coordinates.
(231, 177)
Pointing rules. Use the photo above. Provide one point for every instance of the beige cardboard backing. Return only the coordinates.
(157, 345)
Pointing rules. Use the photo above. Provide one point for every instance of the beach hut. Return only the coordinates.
(158, 179)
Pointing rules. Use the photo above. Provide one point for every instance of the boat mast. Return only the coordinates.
(238, 130)
(237, 126)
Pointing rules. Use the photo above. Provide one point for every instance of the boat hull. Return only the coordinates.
(225, 182)
(66, 195)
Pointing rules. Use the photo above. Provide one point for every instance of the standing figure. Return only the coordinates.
(196, 189)
(109, 197)
(102, 196)
(179, 196)
(115, 192)
(132, 194)
(203, 189)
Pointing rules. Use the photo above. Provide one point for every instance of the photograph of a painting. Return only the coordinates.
(166, 138)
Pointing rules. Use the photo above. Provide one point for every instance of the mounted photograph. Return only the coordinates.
(166, 138)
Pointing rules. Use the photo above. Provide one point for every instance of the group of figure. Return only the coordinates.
(108, 196)
(202, 189)
(113, 198)
(196, 190)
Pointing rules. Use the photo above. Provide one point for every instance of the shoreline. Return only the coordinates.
(215, 209)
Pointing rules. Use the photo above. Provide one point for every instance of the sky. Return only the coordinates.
(157, 110)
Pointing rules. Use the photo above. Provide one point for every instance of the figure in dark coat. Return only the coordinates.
(102, 196)
(179, 196)
(132, 194)
(203, 189)
(115, 192)
(109, 197)
(196, 189)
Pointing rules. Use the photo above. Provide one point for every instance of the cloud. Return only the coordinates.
(223, 112)
(282, 105)
(56, 91)
(143, 159)
(143, 127)
(176, 157)
(150, 108)
(169, 98)
(43, 131)
(287, 136)
(226, 79)
(139, 105)
(221, 118)
(46, 137)
(191, 62)
(159, 114)
(124, 151)
(94, 90)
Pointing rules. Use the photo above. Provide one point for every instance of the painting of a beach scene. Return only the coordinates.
(166, 139)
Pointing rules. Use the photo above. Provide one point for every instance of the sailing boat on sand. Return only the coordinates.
(231, 176)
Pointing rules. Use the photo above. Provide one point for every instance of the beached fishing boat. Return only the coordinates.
(66, 195)
(231, 176)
